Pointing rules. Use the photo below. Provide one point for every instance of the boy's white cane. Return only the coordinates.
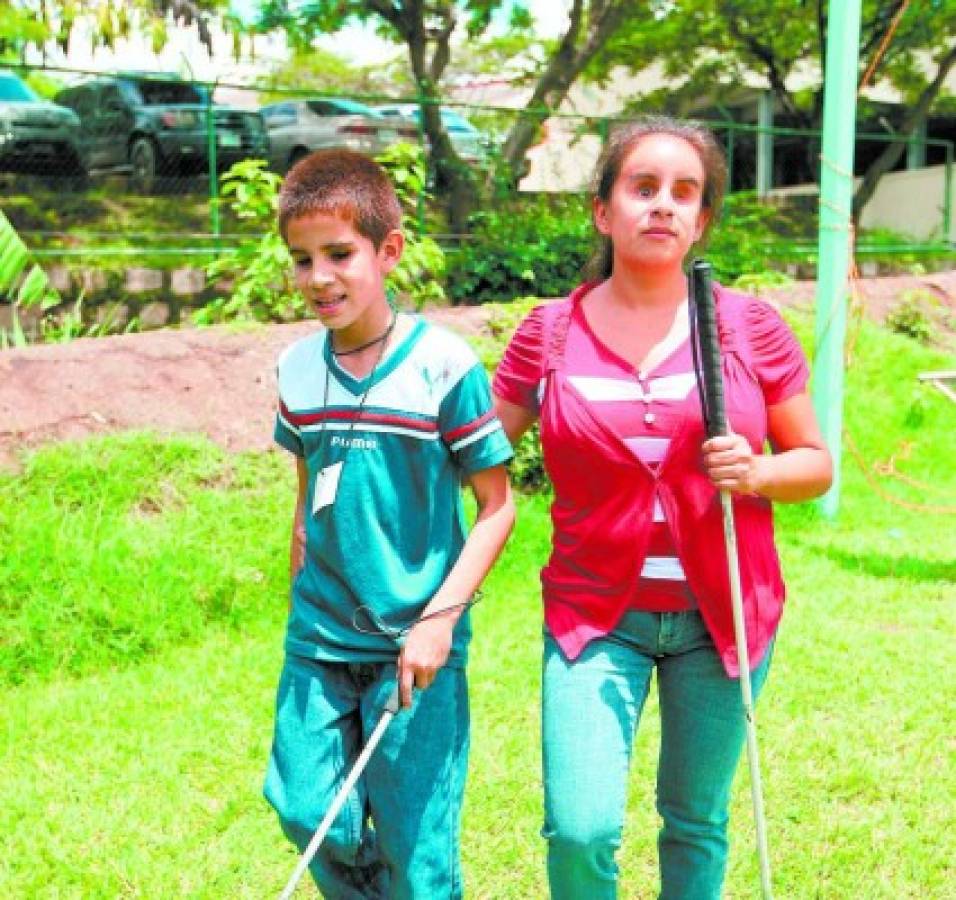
(704, 324)
(391, 708)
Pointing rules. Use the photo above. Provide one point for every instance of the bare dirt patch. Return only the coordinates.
(219, 382)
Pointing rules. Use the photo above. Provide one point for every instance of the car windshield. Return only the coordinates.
(163, 93)
(12, 88)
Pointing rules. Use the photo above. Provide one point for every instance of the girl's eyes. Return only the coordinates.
(339, 255)
(682, 194)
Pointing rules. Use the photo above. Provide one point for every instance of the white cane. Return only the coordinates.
(704, 323)
(391, 708)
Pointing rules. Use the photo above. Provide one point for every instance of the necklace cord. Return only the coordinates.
(382, 337)
(383, 629)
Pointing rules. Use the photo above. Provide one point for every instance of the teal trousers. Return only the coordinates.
(591, 708)
(397, 836)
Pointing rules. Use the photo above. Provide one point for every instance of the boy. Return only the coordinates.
(386, 415)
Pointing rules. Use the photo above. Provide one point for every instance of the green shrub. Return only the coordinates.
(911, 316)
(260, 268)
(742, 242)
(418, 277)
(541, 244)
(529, 245)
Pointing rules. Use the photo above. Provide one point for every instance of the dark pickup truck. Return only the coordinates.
(154, 127)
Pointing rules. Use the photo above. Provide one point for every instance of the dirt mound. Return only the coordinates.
(220, 381)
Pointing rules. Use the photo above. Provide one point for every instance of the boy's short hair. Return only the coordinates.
(343, 183)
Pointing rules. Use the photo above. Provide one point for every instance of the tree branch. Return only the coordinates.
(891, 155)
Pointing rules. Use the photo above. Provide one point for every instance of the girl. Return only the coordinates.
(637, 578)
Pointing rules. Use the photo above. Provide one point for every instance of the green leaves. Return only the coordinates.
(21, 283)
(258, 269)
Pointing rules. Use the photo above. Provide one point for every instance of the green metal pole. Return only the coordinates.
(214, 224)
(948, 236)
(730, 158)
(423, 143)
(836, 195)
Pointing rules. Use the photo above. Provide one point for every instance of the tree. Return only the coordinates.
(590, 26)
(780, 39)
(428, 29)
(58, 19)
(315, 66)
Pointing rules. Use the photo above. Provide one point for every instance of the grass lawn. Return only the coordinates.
(142, 589)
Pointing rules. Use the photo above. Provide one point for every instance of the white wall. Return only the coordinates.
(910, 202)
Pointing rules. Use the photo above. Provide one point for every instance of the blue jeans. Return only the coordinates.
(397, 835)
(591, 708)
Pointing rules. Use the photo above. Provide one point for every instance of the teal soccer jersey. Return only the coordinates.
(383, 515)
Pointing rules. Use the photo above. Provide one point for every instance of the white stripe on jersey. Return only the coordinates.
(363, 426)
(293, 428)
(437, 362)
(666, 568)
(487, 428)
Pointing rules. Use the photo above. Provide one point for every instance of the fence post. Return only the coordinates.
(420, 203)
(948, 235)
(214, 223)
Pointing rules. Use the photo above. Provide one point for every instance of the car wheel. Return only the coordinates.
(144, 164)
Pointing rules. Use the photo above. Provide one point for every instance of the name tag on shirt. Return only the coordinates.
(326, 486)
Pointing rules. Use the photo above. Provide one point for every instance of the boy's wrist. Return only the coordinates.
(443, 616)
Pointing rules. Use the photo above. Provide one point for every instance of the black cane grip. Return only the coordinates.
(703, 304)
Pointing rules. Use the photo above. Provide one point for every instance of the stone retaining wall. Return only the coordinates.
(155, 298)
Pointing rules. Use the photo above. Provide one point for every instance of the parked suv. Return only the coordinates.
(153, 126)
(37, 136)
(297, 127)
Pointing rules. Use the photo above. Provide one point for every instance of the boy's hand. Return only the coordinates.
(425, 652)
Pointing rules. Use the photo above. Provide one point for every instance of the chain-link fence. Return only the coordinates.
(126, 166)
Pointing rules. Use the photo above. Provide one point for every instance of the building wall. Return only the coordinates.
(909, 202)
(912, 202)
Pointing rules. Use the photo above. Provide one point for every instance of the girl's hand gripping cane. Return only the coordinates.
(710, 383)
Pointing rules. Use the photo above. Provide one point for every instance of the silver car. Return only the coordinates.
(297, 127)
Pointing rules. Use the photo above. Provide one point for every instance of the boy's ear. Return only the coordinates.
(390, 251)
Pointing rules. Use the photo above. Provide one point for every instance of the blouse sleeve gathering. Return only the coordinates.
(778, 359)
(522, 365)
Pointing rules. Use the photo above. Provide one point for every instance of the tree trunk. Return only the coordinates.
(891, 155)
(564, 67)
(454, 182)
